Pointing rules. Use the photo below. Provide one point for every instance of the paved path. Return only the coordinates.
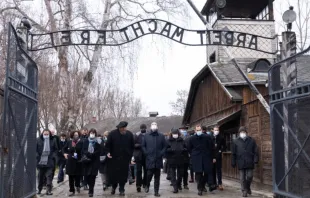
(62, 190)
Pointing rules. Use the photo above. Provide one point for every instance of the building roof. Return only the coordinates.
(229, 78)
(165, 123)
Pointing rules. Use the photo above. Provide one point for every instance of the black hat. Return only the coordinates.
(184, 127)
(143, 126)
(242, 129)
(174, 131)
(122, 124)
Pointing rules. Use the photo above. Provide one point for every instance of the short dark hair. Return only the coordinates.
(143, 126)
(204, 128)
(242, 129)
(73, 132)
(47, 131)
(63, 135)
(92, 130)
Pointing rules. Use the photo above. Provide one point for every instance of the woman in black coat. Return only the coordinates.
(45, 155)
(72, 152)
(91, 149)
(176, 151)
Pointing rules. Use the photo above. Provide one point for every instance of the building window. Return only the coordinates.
(264, 14)
(230, 137)
(212, 58)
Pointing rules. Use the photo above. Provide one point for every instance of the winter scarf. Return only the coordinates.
(91, 144)
(46, 152)
(74, 142)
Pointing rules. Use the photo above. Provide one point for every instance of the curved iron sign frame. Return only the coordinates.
(146, 27)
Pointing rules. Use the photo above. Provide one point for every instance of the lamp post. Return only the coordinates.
(22, 32)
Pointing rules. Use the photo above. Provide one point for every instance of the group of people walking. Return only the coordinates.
(85, 153)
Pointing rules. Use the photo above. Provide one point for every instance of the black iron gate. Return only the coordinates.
(19, 122)
(290, 125)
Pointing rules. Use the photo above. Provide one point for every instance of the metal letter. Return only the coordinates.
(66, 38)
(217, 35)
(229, 37)
(124, 30)
(178, 33)
(167, 29)
(201, 36)
(155, 25)
(87, 38)
(137, 28)
(253, 42)
(241, 40)
(102, 37)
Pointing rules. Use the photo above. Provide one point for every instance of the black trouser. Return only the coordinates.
(191, 172)
(91, 179)
(74, 181)
(185, 174)
(217, 171)
(246, 177)
(156, 173)
(61, 166)
(176, 173)
(168, 173)
(46, 173)
(141, 169)
(202, 178)
(121, 187)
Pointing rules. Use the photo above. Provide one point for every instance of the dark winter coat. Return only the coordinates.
(73, 166)
(121, 149)
(53, 152)
(244, 153)
(138, 153)
(92, 167)
(103, 152)
(154, 147)
(202, 153)
(219, 145)
(60, 150)
(176, 151)
(186, 155)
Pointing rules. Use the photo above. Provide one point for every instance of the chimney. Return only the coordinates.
(153, 114)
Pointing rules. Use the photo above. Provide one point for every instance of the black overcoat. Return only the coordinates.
(244, 153)
(202, 153)
(154, 146)
(176, 151)
(73, 166)
(92, 167)
(103, 152)
(120, 146)
(53, 152)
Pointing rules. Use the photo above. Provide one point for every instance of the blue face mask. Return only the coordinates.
(199, 133)
(209, 133)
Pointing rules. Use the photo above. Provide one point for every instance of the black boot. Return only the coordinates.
(244, 194)
(78, 189)
(180, 188)
(39, 192)
(113, 191)
(157, 194)
(147, 189)
(186, 187)
(49, 190)
(200, 192)
(138, 189)
(175, 190)
(72, 194)
(122, 194)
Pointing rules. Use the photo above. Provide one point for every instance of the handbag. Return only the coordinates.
(84, 159)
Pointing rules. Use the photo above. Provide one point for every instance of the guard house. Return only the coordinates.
(220, 96)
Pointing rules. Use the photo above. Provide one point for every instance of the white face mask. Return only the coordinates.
(216, 132)
(92, 135)
(175, 136)
(199, 133)
(46, 136)
(243, 135)
(154, 127)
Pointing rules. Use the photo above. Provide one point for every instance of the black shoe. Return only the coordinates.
(113, 191)
(78, 189)
(49, 192)
(147, 189)
(104, 187)
(212, 188)
(244, 194)
(72, 194)
(186, 187)
(85, 187)
(157, 194)
(175, 190)
(121, 194)
(39, 192)
(250, 192)
(205, 189)
(200, 193)
(171, 184)
(180, 188)
(90, 195)
(138, 189)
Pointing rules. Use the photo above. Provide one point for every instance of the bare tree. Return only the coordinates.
(178, 107)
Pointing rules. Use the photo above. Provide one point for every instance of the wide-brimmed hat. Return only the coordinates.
(122, 124)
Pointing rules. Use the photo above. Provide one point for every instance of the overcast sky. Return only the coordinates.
(159, 78)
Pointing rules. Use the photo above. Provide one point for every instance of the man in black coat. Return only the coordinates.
(61, 158)
(154, 147)
(185, 135)
(245, 156)
(84, 136)
(139, 158)
(201, 149)
(120, 146)
(220, 146)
